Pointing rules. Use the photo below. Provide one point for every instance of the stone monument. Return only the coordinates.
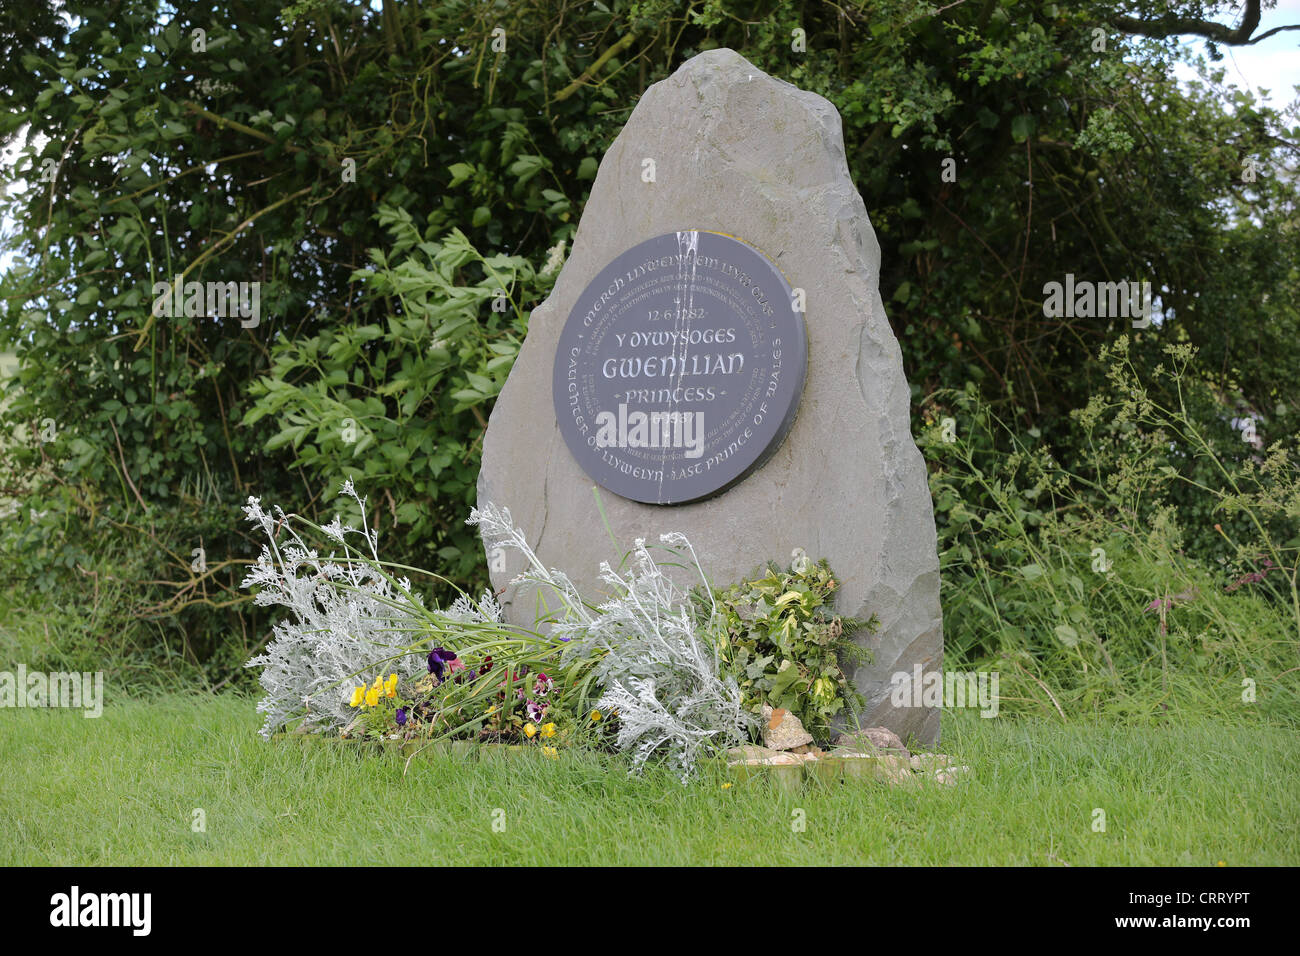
(715, 357)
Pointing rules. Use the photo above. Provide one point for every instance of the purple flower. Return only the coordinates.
(401, 717)
(438, 658)
(535, 711)
(462, 674)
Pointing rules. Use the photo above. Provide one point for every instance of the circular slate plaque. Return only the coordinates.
(679, 369)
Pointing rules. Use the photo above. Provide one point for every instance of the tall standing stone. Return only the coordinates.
(737, 152)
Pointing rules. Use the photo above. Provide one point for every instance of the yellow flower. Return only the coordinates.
(548, 730)
(726, 786)
(550, 751)
(595, 715)
(530, 730)
(372, 697)
(358, 695)
(390, 686)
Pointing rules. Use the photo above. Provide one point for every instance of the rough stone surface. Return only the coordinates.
(931, 762)
(873, 738)
(782, 730)
(750, 753)
(893, 770)
(776, 760)
(949, 776)
(811, 749)
(791, 767)
(740, 152)
(899, 777)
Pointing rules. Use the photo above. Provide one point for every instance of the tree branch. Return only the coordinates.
(216, 247)
(623, 43)
(1170, 24)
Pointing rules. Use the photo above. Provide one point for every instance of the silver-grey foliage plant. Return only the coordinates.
(656, 670)
(350, 621)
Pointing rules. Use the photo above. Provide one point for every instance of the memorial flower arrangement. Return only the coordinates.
(778, 634)
(657, 671)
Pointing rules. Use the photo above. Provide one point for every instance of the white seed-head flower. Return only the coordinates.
(554, 258)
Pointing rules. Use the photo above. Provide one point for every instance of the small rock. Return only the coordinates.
(782, 730)
(749, 752)
(895, 763)
(810, 749)
(781, 760)
(776, 760)
(895, 771)
(949, 775)
(872, 740)
(930, 763)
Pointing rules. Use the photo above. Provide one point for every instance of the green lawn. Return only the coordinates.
(122, 790)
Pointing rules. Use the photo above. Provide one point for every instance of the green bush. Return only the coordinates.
(400, 404)
(1076, 584)
(334, 151)
(786, 648)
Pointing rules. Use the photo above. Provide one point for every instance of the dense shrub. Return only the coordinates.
(382, 170)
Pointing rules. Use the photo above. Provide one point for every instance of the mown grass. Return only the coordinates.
(122, 789)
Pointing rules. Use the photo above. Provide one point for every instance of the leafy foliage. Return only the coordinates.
(335, 151)
(1075, 580)
(393, 403)
(778, 635)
